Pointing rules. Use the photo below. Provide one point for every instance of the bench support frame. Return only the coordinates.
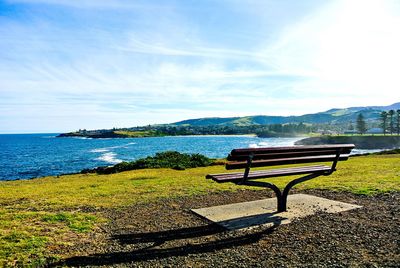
(278, 156)
(281, 195)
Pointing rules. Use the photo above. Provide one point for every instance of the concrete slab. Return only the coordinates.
(263, 212)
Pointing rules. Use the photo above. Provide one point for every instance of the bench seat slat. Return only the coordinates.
(263, 171)
(274, 155)
(284, 161)
(230, 177)
(293, 148)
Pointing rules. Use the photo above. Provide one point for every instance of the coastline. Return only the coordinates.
(71, 156)
(120, 136)
(38, 156)
(85, 171)
(360, 141)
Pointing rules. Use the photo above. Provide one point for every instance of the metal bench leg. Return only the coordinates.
(273, 187)
(289, 186)
(281, 196)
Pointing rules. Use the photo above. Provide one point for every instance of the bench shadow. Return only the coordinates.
(158, 238)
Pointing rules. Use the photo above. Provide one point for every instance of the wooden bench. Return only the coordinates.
(273, 156)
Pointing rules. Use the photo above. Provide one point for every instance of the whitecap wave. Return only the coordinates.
(264, 144)
(277, 142)
(121, 146)
(107, 149)
(109, 158)
(99, 150)
(365, 151)
(260, 144)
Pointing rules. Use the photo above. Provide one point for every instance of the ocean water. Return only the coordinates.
(35, 155)
(26, 156)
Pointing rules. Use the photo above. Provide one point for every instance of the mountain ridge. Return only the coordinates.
(332, 121)
(334, 115)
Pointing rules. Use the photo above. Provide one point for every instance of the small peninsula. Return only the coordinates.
(104, 134)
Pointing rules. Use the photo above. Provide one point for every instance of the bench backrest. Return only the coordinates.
(273, 156)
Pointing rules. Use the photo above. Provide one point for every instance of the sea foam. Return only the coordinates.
(109, 158)
(99, 150)
(107, 149)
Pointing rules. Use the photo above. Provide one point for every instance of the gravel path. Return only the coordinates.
(167, 234)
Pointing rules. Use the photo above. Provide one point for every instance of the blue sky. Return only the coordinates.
(67, 64)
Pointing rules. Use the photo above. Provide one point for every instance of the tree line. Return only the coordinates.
(390, 122)
(260, 130)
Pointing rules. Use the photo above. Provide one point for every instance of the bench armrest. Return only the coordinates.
(333, 167)
(247, 170)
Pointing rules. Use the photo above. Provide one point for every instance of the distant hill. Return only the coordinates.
(331, 121)
(345, 115)
(394, 106)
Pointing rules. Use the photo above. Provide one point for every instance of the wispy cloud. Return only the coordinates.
(348, 47)
(90, 4)
(92, 64)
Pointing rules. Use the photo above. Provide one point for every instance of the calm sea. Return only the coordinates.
(27, 156)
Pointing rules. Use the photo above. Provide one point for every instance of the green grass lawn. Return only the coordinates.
(136, 134)
(47, 213)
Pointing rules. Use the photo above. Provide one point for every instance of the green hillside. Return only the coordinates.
(333, 120)
(333, 116)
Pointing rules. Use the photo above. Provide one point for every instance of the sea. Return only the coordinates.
(26, 156)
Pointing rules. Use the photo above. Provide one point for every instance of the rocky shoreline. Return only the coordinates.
(94, 135)
(361, 142)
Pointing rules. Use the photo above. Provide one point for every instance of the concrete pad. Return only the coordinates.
(263, 212)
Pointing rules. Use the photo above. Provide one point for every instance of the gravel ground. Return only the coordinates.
(167, 234)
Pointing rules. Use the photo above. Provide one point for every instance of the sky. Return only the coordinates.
(68, 65)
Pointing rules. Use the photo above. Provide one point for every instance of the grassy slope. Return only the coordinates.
(136, 134)
(43, 214)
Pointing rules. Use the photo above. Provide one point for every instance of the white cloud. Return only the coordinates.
(159, 67)
(88, 4)
(348, 49)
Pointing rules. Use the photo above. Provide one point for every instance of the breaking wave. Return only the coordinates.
(107, 149)
(109, 157)
(100, 150)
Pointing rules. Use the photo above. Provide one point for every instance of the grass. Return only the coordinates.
(21, 249)
(40, 216)
(27, 236)
(136, 134)
(367, 135)
(354, 135)
(76, 222)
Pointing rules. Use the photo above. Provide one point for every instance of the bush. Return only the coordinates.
(169, 159)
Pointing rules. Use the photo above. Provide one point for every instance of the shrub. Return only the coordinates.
(169, 159)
